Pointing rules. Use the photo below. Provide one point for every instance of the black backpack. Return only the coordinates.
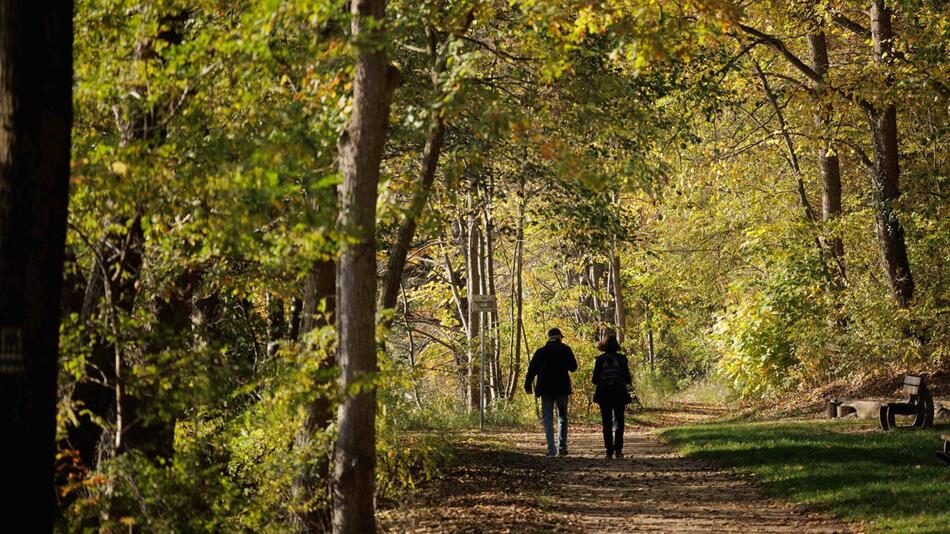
(610, 374)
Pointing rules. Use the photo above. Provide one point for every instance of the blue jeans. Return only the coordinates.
(547, 417)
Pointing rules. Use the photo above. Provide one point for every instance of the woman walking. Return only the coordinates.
(611, 376)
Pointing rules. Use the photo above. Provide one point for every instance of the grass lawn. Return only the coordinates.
(890, 480)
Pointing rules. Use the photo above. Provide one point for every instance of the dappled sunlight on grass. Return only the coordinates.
(890, 479)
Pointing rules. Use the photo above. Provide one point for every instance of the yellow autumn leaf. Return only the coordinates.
(119, 168)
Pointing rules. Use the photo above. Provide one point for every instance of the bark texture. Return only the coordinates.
(886, 176)
(361, 149)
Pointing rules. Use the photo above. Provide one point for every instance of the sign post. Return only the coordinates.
(483, 304)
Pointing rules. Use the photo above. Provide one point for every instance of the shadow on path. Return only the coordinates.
(515, 488)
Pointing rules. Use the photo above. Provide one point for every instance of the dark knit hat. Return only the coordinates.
(555, 332)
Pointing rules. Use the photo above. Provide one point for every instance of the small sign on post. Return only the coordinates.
(483, 303)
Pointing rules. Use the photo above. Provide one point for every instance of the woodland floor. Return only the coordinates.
(501, 481)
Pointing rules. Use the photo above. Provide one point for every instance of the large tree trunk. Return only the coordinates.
(35, 120)
(361, 150)
(883, 122)
(827, 156)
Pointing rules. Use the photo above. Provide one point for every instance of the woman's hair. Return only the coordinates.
(609, 344)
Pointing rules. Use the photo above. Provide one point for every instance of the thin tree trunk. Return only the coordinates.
(651, 351)
(361, 150)
(495, 386)
(519, 291)
(295, 310)
(473, 267)
(827, 156)
(35, 121)
(276, 323)
(392, 277)
(886, 178)
(310, 485)
(412, 349)
(792, 158)
(789, 145)
(620, 314)
(460, 304)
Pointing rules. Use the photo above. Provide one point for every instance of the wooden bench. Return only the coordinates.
(920, 405)
(945, 453)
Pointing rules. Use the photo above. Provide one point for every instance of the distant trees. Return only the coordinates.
(35, 120)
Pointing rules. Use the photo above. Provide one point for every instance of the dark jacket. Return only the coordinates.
(551, 364)
(605, 394)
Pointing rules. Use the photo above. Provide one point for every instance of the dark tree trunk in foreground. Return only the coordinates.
(361, 150)
(886, 176)
(35, 121)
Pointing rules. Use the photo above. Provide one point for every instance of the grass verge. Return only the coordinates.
(891, 481)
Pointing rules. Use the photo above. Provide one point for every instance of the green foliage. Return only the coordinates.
(654, 388)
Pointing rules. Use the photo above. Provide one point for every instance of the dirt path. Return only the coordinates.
(502, 482)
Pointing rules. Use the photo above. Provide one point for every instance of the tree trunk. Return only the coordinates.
(827, 156)
(494, 349)
(392, 277)
(886, 178)
(296, 307)
(412, 349)
(121, 255)
(620, 314)
(309, 490)
(518, 325)
(474, 278)
(651, 351)
(143, 427)
(361, 150)
(276, 324)
(35, 121)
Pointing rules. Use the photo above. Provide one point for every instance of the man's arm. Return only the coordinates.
(571, 360)
(595, 379)
(532, 371)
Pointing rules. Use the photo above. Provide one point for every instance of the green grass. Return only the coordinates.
(890, 480)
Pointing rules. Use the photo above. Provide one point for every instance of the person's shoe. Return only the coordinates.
(551, 455)
(562, 453)
(610, 455)
(618, 454)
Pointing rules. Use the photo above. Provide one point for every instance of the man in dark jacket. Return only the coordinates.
(551, 365)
